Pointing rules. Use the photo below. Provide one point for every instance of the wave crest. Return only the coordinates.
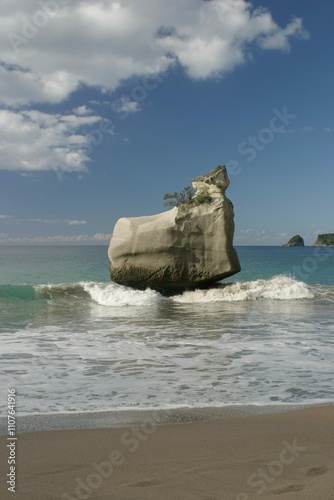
(105, 294)
(110, 294)
(113, 295)
(74, 290)
(276, 288)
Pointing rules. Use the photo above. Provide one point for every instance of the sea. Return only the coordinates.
(74, 342)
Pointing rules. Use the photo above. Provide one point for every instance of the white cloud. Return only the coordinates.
(283, 234)
(82, 110)
(76, 222)
(49, 49)
(255, 237)
(31, 141)
(43, 221)
(27, 174)
(243, 234)
(309, 129)
(277, 38)
(23, 86)
(79, 238)
(71, 222)
(111, 41)
(125, 105)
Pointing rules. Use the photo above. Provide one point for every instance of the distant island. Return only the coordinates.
(295, 241)
(324, 240)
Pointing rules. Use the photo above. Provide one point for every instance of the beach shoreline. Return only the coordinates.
(285, 455)
(125, 417)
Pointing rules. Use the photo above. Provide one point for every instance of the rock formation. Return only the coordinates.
(189, 246)
(295, 241)
(324, 240)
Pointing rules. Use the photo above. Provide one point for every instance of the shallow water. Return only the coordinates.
(72, 341)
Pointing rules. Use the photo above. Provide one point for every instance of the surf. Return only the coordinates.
(110, 294)
(277, 288)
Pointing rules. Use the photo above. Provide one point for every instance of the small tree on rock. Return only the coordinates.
(174, 199)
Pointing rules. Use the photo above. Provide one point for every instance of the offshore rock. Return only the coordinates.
(189, 246)
(295, 241)
(324, 240)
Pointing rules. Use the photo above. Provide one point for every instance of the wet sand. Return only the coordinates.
(278, 456)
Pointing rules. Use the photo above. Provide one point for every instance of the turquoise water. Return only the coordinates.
(61, 264)
(313, 265)
(56, 264)
(71, 340)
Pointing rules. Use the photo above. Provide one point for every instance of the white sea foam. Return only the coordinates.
(78, 355)
(110, 294)
(189, 360)
(70, 353)
(277, 288)
(52, 291)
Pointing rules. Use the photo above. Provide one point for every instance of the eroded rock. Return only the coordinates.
(189, 246)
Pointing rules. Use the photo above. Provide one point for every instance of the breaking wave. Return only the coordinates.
(277, 288)
(109, 294)
(105, 294)
(70, 290)
(114, 295)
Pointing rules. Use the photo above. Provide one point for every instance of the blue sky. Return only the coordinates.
(107, 105)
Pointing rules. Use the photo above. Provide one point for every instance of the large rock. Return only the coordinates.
(188, 246)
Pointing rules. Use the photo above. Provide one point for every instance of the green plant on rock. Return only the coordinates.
(175, 199)
(203, 197)
(187, 195)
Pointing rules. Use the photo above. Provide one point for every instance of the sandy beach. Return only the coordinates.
(278, 456)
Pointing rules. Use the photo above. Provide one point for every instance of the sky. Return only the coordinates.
(107, 105)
